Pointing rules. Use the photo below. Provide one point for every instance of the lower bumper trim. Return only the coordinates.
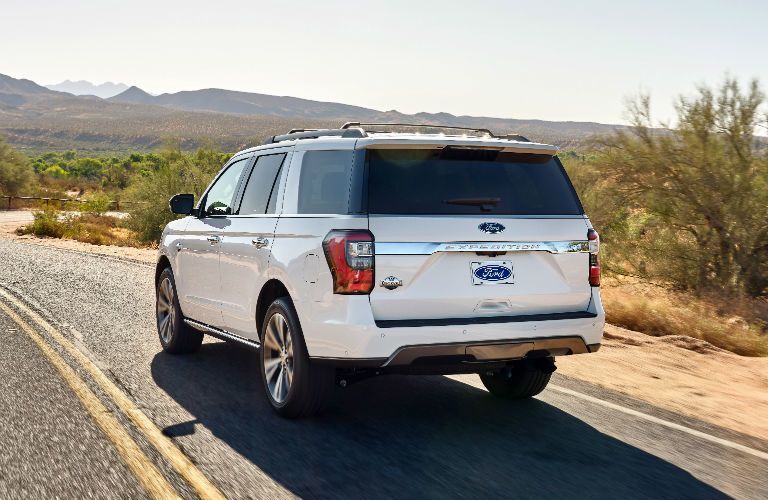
(488, 351)
(484, 320)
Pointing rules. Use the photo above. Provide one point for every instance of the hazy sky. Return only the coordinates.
(554, 60)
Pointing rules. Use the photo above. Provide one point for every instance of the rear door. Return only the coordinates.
(247, 241)
(468, 233)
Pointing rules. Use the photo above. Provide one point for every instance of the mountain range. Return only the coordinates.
(37, 119)
(82, 87)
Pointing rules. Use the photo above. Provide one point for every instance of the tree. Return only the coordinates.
(15, 171)
(701, 187)
(177, 173)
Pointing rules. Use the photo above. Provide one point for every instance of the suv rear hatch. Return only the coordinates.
(472, 232)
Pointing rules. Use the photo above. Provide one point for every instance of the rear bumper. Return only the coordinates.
(486, 352)
(351, 337)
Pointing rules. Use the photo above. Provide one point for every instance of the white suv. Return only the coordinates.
(347, 253)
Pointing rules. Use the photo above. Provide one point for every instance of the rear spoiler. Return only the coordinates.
(422, 142)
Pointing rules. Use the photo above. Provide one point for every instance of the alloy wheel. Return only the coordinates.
(278, 358)
(166, 312)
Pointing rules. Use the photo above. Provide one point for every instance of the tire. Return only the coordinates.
(176, 337)
(522, 380)
(295, 387)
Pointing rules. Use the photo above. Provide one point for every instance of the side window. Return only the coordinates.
(219, 199)
(324, 182)
(260, 193)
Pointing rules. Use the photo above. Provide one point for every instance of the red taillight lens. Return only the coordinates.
(594, 264)
(350, 258)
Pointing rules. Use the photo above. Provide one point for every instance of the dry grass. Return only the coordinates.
(736, 325)
(88, 228)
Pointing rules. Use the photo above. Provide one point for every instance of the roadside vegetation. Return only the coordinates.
(682, 210)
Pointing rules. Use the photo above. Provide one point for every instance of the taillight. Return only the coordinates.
(594, 264)
(350, 258)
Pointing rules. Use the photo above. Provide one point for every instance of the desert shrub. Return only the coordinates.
(45, 223)
(178, 173)
(88, 228)
(685, 205)
(96, 203)
(16, 174)
(55, 171)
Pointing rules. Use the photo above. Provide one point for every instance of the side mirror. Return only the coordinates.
(183, 204)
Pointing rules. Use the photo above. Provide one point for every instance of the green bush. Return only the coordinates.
(46, 222)
(685, 205)
(96, 203)
(178, 173)
(16, 174)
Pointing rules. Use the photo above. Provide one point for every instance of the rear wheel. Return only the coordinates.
(176, 337)
(295, 387)
(524, 379)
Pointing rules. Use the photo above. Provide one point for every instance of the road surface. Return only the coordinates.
(398, 436)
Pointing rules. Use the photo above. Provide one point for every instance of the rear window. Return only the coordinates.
(458, 181)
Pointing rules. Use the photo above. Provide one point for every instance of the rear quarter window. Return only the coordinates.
(324, 182)
(468, 182)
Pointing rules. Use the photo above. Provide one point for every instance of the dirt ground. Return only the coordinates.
(8, 226)
(681, 374)
(678, 373)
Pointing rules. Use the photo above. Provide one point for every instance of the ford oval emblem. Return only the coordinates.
(491, 227)
(493, 272)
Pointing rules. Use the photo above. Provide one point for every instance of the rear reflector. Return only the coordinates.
(350, 255)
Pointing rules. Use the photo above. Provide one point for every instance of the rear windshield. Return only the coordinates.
(458, 181)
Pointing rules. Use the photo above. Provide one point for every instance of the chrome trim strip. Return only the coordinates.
(222, 334)
(397, 248)
(496, 217)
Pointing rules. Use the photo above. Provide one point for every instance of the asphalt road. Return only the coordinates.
(409, 437)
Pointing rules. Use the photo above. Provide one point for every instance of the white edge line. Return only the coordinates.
(659, 421)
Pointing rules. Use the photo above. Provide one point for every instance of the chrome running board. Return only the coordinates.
(222, 334)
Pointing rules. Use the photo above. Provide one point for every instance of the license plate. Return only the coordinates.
(492, 272)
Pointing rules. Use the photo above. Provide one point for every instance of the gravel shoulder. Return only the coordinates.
(11, 220)
(681, 374)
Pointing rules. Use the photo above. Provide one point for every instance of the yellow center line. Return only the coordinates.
(141, 466)
(178, 460)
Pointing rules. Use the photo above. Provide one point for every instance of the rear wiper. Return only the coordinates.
(485, 204)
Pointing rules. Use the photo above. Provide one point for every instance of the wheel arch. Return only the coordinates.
(272, 290)
(162, 263)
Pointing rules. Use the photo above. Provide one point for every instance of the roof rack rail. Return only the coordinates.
(511, 137)
(296, 134)
(517, 137)
(415, 125)
(356, 130)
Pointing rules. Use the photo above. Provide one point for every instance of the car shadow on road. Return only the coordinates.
(407, 437)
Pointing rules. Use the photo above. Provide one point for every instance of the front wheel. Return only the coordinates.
(175, 336)
(294, 386)
(524, 379)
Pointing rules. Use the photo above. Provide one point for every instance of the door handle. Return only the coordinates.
(260, 242)
(179, 247)
(213, 239)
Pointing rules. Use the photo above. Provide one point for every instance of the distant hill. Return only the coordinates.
(247, 103)
(37, 119)
(82, 87)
